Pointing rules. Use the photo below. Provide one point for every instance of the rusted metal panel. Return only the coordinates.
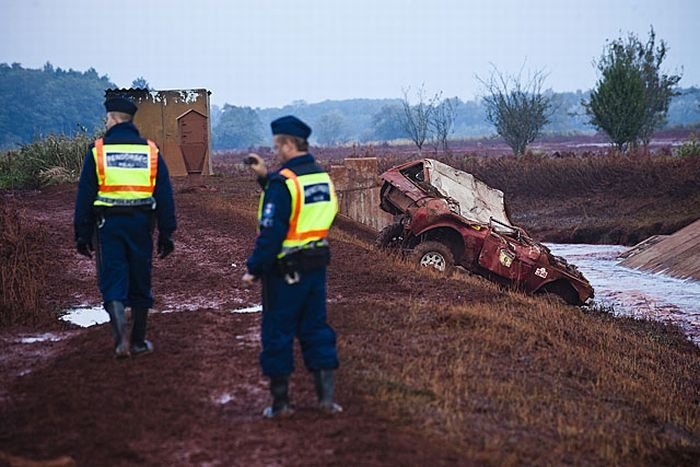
(157, 120)
(499, 258)
(676, 255)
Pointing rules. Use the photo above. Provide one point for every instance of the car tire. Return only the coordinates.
(561, 290)
(434, 254)
(390, 237)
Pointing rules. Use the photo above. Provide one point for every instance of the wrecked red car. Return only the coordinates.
(446, 218)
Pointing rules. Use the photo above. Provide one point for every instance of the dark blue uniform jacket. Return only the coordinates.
(84, 219)
(277, 209)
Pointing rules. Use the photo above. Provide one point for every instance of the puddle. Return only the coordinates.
(86, 316)
(250, 309)
(635, 293)
(48, 337)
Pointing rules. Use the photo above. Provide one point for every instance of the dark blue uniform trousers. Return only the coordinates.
(296, 310)
(125, 259)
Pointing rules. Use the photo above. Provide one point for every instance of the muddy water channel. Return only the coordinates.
(634, 293)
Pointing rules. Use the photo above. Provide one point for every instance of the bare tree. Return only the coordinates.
(518, 109)
(416, 118)
(442, 121)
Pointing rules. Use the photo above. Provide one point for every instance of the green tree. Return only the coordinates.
(140, 83)
(39, 102)
(238, 128)
(659, 87)
(387, 123)
(518, 108)
(617, 104)
(629, 57)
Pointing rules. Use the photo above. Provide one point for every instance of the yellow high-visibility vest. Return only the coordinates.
(314, 206)
(126, 173)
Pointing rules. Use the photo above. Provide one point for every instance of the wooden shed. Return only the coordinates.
(178, 121)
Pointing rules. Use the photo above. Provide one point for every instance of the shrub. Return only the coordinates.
(690, 148)
(54, 159)
(22, 269)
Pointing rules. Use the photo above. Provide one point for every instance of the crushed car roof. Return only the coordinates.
(476, 200)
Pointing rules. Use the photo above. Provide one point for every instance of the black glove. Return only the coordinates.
(165, 246)
(84, 247)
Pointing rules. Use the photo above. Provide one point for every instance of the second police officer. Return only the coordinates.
(291, 253)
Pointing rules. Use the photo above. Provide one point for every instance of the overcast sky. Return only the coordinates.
(271, 52)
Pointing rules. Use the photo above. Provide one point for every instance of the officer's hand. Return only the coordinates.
(256, 164)
(165, 247)
(248, 279)
(84, 247)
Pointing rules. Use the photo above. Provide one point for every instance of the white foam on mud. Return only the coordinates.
(86, 316)
(224, 399)
(193, 304)
(47, 337)
(250, 309)
(636, 293)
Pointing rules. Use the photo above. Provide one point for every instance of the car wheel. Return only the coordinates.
(562, 290)
(435, 255)
(390, 237)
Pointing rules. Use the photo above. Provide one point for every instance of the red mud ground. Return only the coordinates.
(197, 399)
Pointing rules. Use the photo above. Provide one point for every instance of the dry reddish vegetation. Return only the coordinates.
(446, 371)
(22, 267)
(595, 198)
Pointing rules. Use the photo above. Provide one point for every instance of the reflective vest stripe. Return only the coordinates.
(296, 202)
(113, 188)
(99, 148)
(312, 234)
(154, 161)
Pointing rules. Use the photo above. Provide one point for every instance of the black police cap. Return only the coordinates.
(120, 104)
(290, 125)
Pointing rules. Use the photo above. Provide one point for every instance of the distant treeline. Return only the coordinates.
(364, 120)
(39, 102)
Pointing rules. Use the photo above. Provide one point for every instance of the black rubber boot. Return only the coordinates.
(139, 344)
(279, 388)
(325, 387)
(115, 309)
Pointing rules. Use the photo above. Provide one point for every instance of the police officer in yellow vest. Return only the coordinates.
(124, 187)
(290, 257)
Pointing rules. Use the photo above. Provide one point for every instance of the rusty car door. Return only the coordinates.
(499, 257)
